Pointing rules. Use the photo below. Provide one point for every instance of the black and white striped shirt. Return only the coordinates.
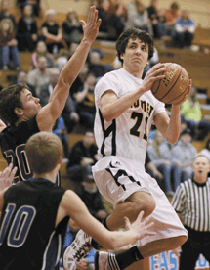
(192, 201)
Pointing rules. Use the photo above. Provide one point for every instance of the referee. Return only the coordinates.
(192, 202)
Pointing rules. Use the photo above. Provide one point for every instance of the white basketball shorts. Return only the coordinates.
(118, 177)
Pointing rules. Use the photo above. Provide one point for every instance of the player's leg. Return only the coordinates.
(131, 208)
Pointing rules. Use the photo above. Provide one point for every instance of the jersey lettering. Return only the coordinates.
(139, 119)
(25, 172)
(20, 226)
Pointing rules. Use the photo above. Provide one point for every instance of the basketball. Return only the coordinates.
(173, 87)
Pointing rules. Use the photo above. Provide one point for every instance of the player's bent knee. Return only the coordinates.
(178, 241)
(147, 206)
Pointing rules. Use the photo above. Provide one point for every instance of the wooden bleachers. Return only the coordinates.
(202, 37)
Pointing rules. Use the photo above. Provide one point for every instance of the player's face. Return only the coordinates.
(31, 105)
(201, 166)
(135, 56)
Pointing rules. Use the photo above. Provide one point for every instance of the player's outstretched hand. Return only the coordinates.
(186, 95)
(91, 28)
(152, 75)
(140, 225)
(7, 176)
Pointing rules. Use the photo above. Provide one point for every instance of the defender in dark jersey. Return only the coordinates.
(35, 213)
(23, 113)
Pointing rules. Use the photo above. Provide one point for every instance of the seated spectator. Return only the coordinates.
(206, 151)
(90, 195)
(99, 4)
(5, 14)
(40, 75)
(71, 28)
(152, 170)
(60, 130)
(94, 63)
(192, 114)
(53, 33)
(183, 154)
(79, 81)
(138, 16)
(82, 156)
(41, 50)
(160, 154)
(158, 25)
(34, 3)
(8, 46)
(86, 263)
(114, 18)
(22, 78)
(185, 28)
(69, 116)
(170, 16)
(85, 105)
(27, 31)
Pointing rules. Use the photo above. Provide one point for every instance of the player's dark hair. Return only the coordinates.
(133, 33)
(43, 151)
(9, 101)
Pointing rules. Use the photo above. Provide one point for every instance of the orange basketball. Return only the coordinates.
(173, 87)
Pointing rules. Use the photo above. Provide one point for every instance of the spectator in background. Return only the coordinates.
(69, 115)
(152, 170)
(8, 46)
(114, 21)
(183, 154)
(41, 50)
(60, 130)
(40, 75)
(27, 30)
(191, 112)
(90, 195)
(5, 14)
(206, 151)
(99, 4)
(71, 28)
(34, 3)
(138, 16)
(82, 156)
(53, 33)
(85, 105)
(94, 63)
(170, 16)
(79, 81)
(86, 263)
(158, 25)
(22, 78)
(160, 154)
(185, 28)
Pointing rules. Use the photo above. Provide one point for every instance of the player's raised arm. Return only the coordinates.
(47, 116)
(74, 207)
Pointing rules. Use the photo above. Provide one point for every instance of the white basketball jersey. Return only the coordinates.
(127, 134)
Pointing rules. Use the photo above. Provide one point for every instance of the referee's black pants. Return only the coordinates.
(198, 242)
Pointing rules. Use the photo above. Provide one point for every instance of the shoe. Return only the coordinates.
(77, 250)
(105, 261)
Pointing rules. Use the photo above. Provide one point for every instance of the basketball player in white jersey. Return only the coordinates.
(126, 109)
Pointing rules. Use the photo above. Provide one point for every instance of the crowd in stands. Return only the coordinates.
(24, 34)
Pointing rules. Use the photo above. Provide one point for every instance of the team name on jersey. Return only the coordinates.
(146, 107)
